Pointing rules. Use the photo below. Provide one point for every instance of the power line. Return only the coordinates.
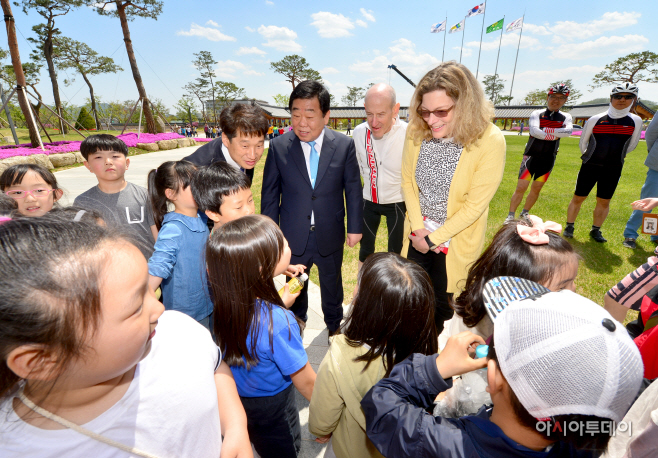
(155, 74)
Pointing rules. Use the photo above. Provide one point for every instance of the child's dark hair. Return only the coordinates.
(578, 439)
(14, 175)
(211, 184)
(174, 175)
(393, 311)
(241, 257)
(7, 205)
(509, 255)
(50, 272)
(102, 142)
(77, 214)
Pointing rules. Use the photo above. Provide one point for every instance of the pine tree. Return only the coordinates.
(85, 121)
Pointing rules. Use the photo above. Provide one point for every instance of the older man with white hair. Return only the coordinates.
(379, 143)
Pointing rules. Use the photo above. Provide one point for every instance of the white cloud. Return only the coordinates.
(205, 32)
(106, 6)
(280, 38)
(249, 29)
(212, 23)
(253, 50)
(361, 23)
(508, 40)
(367, 15)
(268, 2)
(403, 53)
(571, 30)
(329, 71)
(602, 46)
(332, 25)
(230, 69)
(466, 52)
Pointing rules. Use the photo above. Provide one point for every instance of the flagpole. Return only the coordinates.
(484, 15)
(516, 60)
(463, 33)
(499, 43)
(445, 31)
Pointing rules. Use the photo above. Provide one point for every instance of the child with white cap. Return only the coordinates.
(560, 371)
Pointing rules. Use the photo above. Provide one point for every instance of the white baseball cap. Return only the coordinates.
(562, 354)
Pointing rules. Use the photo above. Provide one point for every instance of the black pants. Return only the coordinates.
(435, 266)
(331, 283)
(372, 216)
(273, 424)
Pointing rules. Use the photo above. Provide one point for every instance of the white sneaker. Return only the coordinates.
(508, 219)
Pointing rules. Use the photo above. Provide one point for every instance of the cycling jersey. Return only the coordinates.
(606, 140)
(546, 129)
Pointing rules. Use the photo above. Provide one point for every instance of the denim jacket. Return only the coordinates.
(179, 259)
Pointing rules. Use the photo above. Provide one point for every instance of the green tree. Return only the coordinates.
(633, 68)
(295, 69)
(354, 94)
(127, 10)
(198, 88)
(32, 71)
(205, 63)
(228, 92)
(46, 32)
(332, 100)
(536, 97)
(186, 109)
(80, 57)
(281, 100)
(493, 88)
(85, 121)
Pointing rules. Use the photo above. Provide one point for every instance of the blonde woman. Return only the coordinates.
(452, 164)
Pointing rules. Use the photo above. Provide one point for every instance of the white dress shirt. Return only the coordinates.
(306, 148)
(229, 159)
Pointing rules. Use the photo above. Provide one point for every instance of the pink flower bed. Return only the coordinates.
(129, 139)
(203, 139)
(578, 132)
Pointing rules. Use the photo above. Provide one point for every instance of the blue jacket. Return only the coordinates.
(179, 259)
(650, 136)
(289, 199)
(398, 423)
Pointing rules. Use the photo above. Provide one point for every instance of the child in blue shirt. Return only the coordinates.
(260, 338)
(177, 262)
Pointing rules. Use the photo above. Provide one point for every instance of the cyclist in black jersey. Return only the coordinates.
(547, 126)
(606, 139)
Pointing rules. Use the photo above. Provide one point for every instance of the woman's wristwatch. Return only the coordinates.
(433, 246)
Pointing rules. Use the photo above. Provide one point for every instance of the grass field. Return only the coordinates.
(602, 265)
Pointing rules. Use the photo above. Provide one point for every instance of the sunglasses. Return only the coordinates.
(425, 114)
(622, 96)
(556, 97)
(36, 193)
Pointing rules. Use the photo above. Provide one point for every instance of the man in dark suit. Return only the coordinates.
(242, 142)
(306, 173)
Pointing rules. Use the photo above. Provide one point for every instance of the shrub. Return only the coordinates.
(85, 121)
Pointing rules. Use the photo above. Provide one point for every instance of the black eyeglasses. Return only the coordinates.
(425, 114)
(623, 96)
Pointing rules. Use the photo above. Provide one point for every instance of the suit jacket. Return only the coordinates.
(212, 152)
(288, 198)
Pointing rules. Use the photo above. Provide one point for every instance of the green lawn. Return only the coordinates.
(602, 265)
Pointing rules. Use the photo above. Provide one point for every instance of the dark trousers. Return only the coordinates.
(435, 266)
(372, 216)
(331, 283)
(273, 424)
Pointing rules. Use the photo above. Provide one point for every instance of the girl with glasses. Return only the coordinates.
(452, 164)
(32, 186)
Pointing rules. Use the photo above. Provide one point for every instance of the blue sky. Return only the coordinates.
(351, 43)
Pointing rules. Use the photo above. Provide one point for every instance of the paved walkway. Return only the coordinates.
(77, 180)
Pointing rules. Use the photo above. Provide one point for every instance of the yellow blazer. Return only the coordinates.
(476, 180)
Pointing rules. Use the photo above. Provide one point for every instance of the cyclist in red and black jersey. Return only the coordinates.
(546, 128)
(605, 141)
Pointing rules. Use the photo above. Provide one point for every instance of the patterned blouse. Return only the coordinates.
(436, 165)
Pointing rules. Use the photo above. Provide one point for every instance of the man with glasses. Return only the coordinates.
(606, 139)
(546, 128)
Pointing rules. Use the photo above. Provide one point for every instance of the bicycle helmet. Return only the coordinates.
(559, 89)
(628, 88)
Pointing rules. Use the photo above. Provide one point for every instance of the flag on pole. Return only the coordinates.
(479, 9)
(457, 27)
(438, 27)
(514, 25)
(495, 26)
